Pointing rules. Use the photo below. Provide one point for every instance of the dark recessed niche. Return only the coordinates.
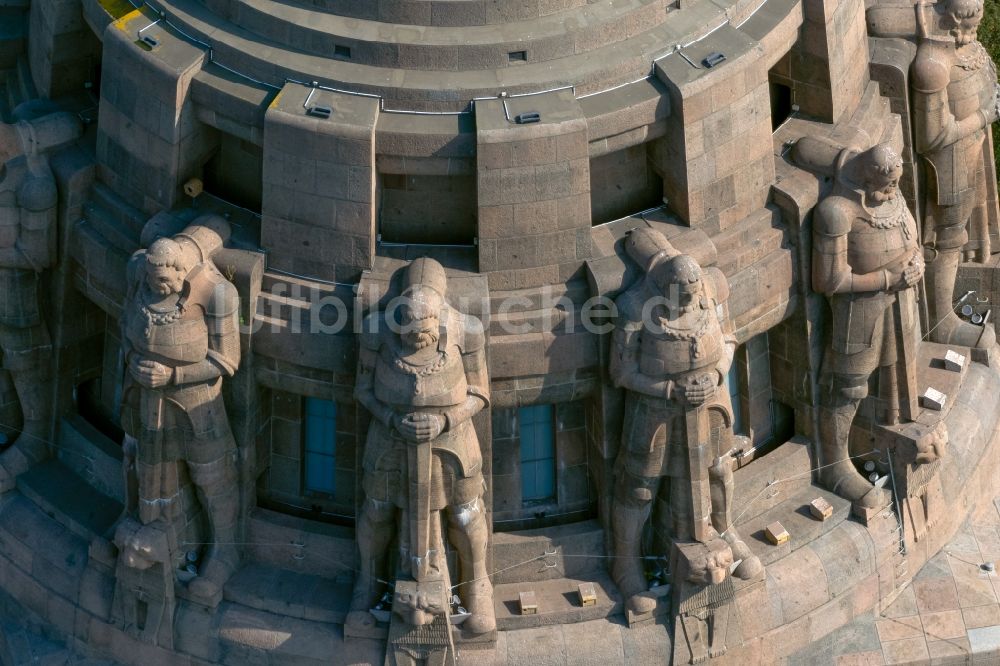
(517, 56)
(341, 51)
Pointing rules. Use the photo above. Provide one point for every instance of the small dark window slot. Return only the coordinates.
(517, 56)
(340, 51)
(713, 59)
(527, 118)
(151, 42)
(319, 111)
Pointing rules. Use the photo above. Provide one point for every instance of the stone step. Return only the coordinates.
(102, 221)
(596, 70)
(70, 500)
(131, 219)
(404, 46)
(793, 514)
(748, 242)
(558, 602)
(444, 12)
(292, 594)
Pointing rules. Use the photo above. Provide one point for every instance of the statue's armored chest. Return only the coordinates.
(876, 241)
(696, 343)
(180, 336)
(972, 83)
(440, 382)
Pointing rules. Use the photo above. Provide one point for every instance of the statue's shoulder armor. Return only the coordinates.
(718, 289)
(831, 217)
(468, 332)
(932, 67)
(630, 303)
(372, 327)
(212, 291)
(38, 190)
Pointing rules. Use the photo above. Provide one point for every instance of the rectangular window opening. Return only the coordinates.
(321, 445)
(517, 56)
(538, 454)
(341, 51)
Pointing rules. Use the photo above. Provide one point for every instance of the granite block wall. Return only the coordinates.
(533, 184)
(149, 140)
(318, 216)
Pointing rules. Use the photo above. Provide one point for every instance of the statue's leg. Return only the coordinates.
(218, 493)
(23, 358)
(721, 478)
(951, 235)
(376, 525)
(841, 396)
(630, 510)
(469, 534)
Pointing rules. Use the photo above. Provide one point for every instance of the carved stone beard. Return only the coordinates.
(420, 341)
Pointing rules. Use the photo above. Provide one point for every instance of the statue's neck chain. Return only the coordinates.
(973, 58)
(888, 215)
(156, 316)
(435, 366)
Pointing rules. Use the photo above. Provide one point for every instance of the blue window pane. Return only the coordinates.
(538, 470)
(321, 444)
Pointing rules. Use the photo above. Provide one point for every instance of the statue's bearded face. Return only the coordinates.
(883, 187)
(164, 280)
(420, 332)
(966, 15)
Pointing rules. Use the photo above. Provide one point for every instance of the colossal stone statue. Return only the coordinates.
(672, 349)
(180, 338)
(955, 99)
(867, 261)
(422, 374)
(28, 236)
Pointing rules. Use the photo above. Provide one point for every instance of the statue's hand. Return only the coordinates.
(151, 374)
(421, 427)
(913, 272)
(697, 390)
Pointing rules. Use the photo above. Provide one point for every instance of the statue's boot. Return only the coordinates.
(946, 326)
(31, 446)
(720, 476)
(837, 473)
(468, 533)
(219, 496)
(627, 522)
(374, 534)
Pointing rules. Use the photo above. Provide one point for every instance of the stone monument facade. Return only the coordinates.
(406, 332)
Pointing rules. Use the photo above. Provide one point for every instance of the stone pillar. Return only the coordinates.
(830, 63)
(63, 48)
(319, 184)
(717, 156)
(534, 190)
(149, 142)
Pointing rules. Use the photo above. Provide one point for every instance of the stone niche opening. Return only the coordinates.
(234, 173)
(760, 406)
(623, 182)
(97, 394)
(308, 465)
(541, 476)
(427, 209)
(780, 83)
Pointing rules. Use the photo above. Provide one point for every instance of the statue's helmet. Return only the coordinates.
(165, 252)
(681, 272)
(424, 288)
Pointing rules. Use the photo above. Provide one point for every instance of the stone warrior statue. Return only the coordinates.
(27, 247)
(423, 376)
(955, 99)
(867, 261)
(672, 349)
(180, 337)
